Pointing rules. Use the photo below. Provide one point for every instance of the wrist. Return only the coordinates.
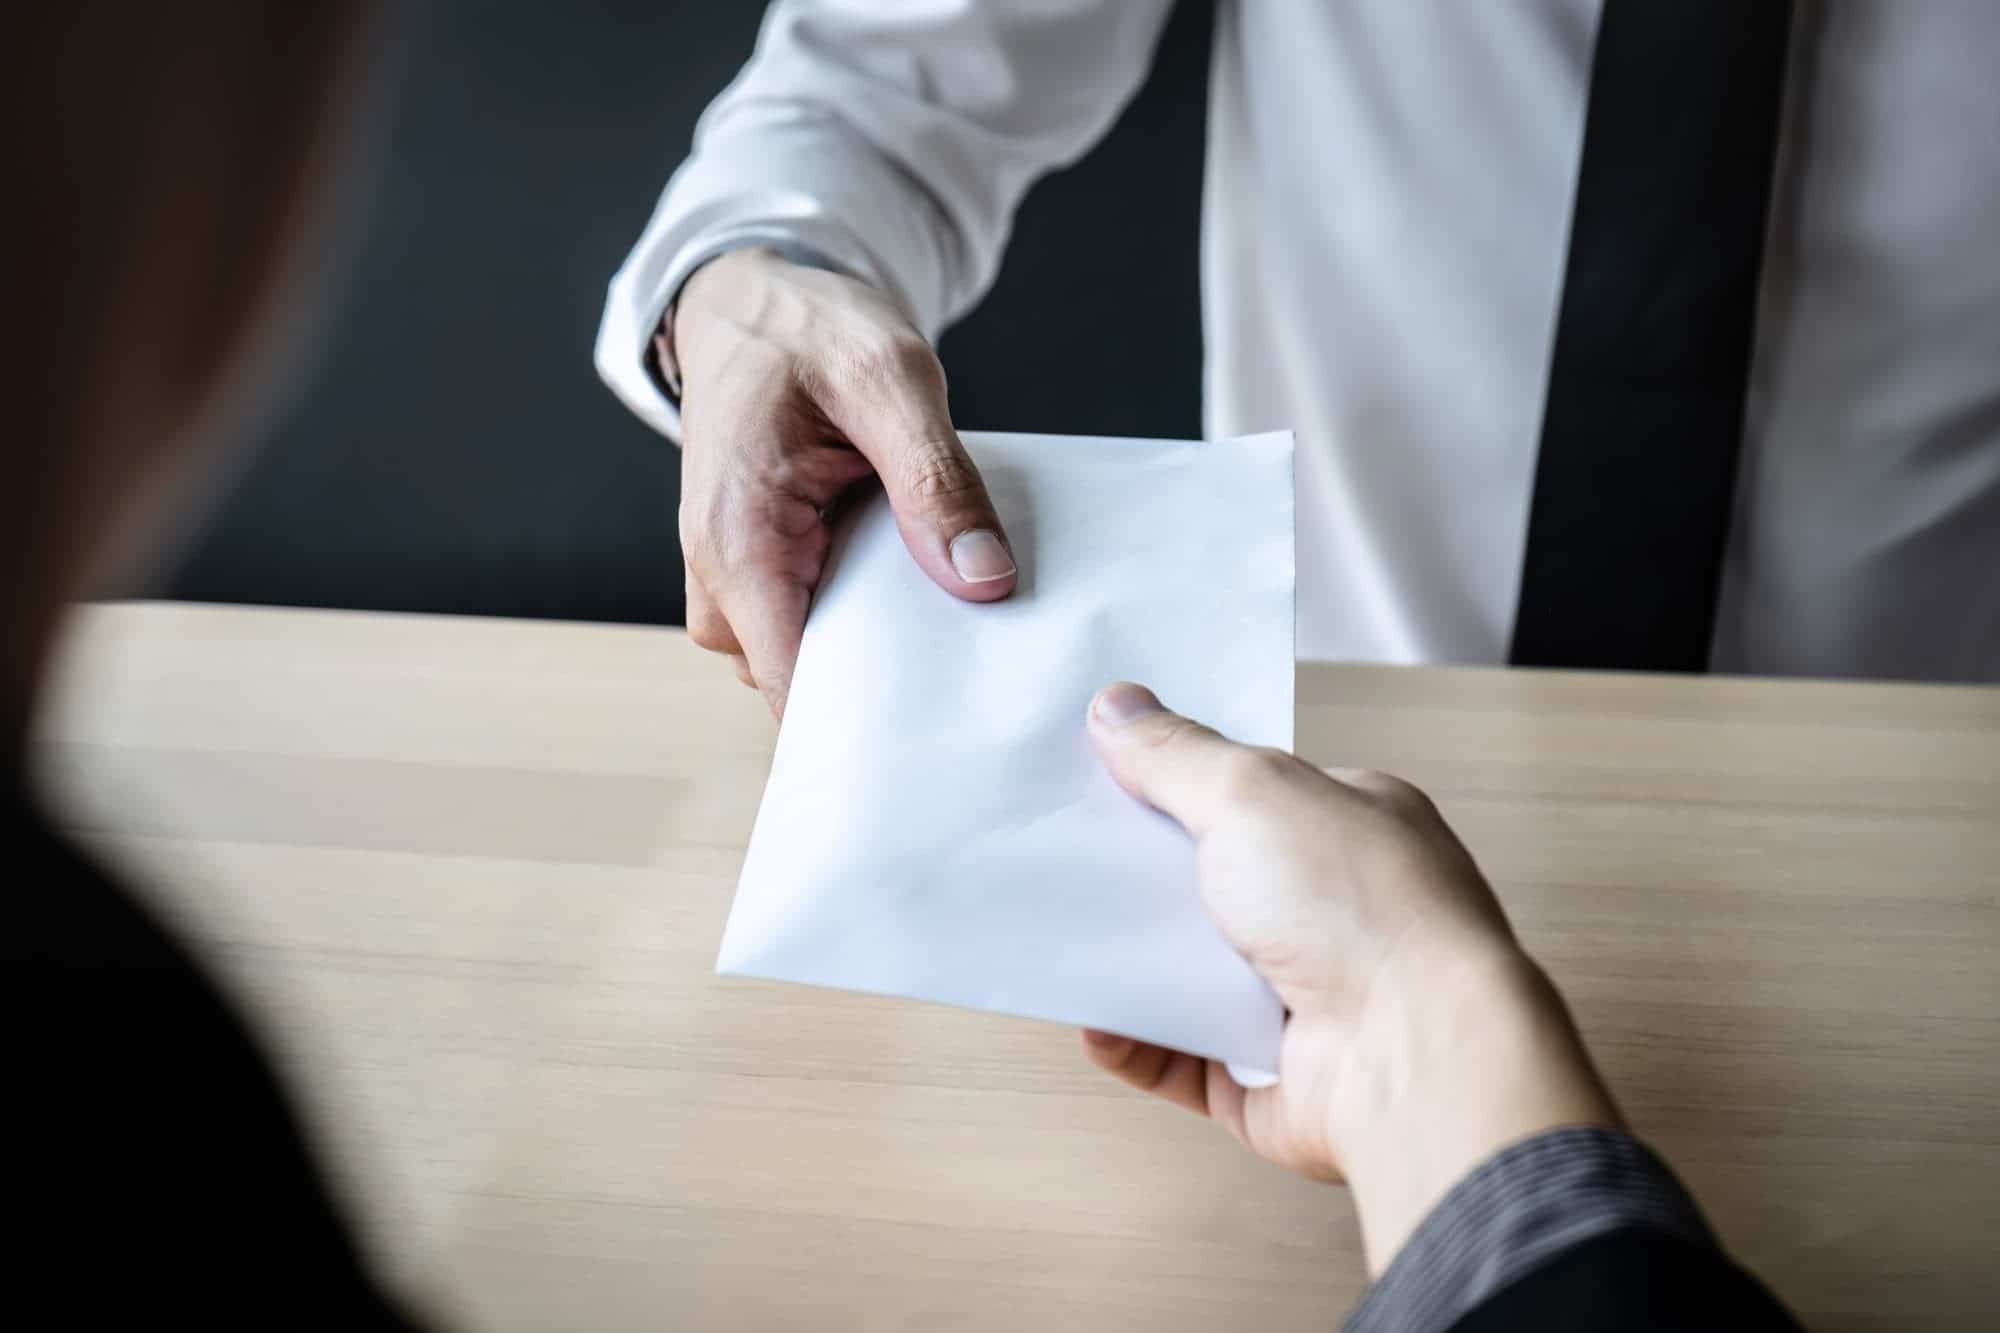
(1460, 1052)
(723, 302)
(707, 288)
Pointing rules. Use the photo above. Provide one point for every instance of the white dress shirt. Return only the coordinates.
(1385, 224)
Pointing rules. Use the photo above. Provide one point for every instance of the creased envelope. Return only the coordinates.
(936, 825)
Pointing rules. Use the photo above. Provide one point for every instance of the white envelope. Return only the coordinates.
(936, 825)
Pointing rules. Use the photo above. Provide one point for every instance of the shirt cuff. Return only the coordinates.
(1517, 1210)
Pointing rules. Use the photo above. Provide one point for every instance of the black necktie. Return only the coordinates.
(1637, 470)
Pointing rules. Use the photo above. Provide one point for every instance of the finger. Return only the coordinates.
(707, 627)
(1178, 767)
(768, 614)
(709, 630)
(897, 416)
(1228, 1102)
(1179, 1078)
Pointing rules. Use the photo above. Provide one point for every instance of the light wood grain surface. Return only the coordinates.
(470, 876)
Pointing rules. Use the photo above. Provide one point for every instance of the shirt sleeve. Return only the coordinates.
(891, 140)
(1519, 1209)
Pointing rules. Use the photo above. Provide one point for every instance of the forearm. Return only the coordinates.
(1580, 1228)
(1461, 1053)
(1487, 1148)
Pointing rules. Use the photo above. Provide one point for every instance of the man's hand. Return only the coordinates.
(1421, 1039)
(796, 385)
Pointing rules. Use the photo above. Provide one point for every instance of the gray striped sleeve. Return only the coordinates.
(1517, 1210)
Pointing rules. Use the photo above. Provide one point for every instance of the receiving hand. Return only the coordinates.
(796, 385)
(1420, 1037)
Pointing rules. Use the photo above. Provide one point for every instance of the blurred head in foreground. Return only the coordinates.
(170, 169)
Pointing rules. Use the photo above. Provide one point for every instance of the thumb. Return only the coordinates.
(1177, 766)
(903, 428)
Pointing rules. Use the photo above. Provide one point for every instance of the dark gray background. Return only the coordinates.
(450, 447)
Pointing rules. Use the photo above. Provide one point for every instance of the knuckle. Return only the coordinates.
(1393, 793)
(1252, 775)
(729, 531)
(887, 359)
(707, 628)
(900, 354)
(711, 634)
(938, 474)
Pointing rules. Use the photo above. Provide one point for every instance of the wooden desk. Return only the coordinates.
(471, 875)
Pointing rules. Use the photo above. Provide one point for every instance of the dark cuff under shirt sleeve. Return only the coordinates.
(1517, 1210)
